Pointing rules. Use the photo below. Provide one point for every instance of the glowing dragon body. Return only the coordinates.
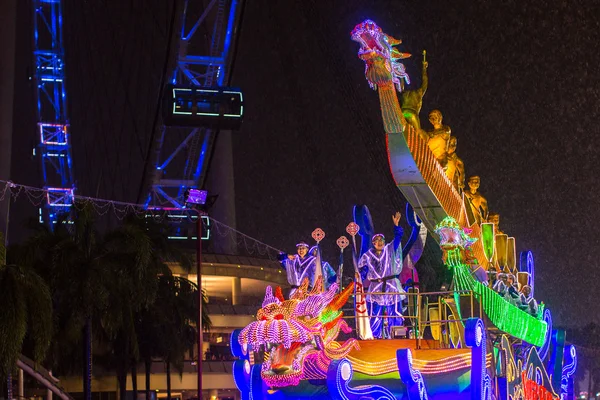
(298, 335)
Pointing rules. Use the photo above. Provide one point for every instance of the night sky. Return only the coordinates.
(516, 81)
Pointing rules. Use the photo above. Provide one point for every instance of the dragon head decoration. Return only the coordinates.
(455, 240)
(380, 57)
(298, 335)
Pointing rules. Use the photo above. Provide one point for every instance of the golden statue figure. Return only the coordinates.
(412, 101)
(495, 219)
(455, 169)
(478, 202)
(438, 137)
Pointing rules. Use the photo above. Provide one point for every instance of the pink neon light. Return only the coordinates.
(66, 193)
(63, 128)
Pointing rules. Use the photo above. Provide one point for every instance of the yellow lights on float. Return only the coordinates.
(426, 367)
(511, 254)
(501, 251)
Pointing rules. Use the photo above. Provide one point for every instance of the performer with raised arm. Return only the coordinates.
(382, 265)
(306, 264)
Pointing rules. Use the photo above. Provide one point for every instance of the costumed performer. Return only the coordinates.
(382, 265)
(306, 264)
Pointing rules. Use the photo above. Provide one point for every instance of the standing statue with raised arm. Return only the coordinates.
(478, 202)
(438, 137)
(382, 265)
(412, 101)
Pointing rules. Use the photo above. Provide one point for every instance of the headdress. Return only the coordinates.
(376, 236)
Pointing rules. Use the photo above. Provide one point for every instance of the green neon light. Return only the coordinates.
(503, 315)
(487, 239)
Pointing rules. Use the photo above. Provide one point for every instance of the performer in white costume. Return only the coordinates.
(305, 264)
(382, 265)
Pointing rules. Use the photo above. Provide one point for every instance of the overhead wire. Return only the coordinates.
(36, 196)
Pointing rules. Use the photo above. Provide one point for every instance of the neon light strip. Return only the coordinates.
(503, 315)
(426, 367)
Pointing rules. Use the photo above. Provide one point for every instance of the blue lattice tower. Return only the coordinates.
(182, 154)
(54, 146)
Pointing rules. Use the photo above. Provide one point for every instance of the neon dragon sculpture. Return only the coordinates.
(456, 243)
(298, 335)
(382, 70)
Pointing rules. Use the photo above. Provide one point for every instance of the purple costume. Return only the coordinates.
(383, 272)
(297, 269)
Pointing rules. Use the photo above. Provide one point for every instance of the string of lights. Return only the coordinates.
(38, 196)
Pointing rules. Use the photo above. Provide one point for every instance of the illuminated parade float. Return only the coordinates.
(484, 336)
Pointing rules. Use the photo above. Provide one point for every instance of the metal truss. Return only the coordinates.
(54, 145)
(182, 154)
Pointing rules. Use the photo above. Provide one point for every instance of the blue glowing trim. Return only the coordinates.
(228, 34)
(49, 75)
(339, 374)
(202, 157)
(241, 378)
(555, 363)
(415, 386)
(543, 350)
(566, 382)
(241, 367)
(475, 337)
(237, 350)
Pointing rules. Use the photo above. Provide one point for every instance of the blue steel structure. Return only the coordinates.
(182, 154)
(53, 130)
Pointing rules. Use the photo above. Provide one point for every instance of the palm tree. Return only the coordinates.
(133, 288)
(97, 282)
(167, 328)
(25, 309)
(150, 287)
(147, 324)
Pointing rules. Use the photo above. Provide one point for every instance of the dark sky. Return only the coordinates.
(517, 82)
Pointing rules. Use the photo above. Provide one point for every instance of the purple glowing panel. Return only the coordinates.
(196, 196)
